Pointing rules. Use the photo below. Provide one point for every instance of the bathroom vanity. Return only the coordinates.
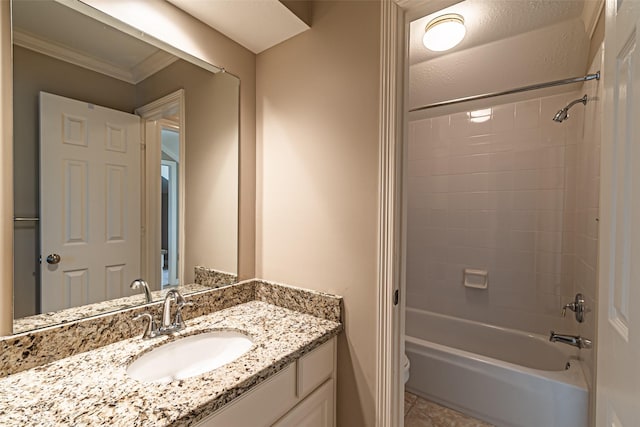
(287, 377)
(304, 392)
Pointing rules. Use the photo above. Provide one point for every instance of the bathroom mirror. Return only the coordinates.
(165, 203)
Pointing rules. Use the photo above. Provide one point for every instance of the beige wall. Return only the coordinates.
(192, 36)
(317, 137)
(211, 151)
(34, 72)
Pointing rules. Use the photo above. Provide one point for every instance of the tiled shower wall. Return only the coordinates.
(495, 189)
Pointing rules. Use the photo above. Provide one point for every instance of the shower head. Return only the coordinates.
(561, 115)
(564, 113)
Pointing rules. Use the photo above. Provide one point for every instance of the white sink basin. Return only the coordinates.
(189, 356)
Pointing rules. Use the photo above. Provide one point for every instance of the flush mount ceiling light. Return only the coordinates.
(444, 32)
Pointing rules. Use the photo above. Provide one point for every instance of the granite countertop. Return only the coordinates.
(92, 388)
(70, 314)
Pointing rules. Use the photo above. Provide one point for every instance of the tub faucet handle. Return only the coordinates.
(577, 306)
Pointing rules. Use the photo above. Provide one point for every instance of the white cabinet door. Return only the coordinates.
(314, 411)
(259, 407)
(89, 203)
(281, 398)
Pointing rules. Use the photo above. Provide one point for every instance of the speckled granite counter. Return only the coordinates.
(31, 349)
(71, 314)
(92, 388)
(205, 278)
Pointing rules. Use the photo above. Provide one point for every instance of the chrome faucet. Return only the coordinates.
(141, 283)
(574, 340)
(167, 326)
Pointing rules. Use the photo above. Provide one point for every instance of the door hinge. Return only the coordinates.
(396, 297)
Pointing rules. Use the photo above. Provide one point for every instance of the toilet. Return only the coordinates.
(405, 367)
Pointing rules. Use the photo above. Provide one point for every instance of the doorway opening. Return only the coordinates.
(169, 176)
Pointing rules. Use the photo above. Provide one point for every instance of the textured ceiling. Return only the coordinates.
(490, 20)
(509, 43)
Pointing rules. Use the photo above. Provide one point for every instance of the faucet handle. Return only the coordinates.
(571, 306)
(577, 306)
(184, 303)
(179, 321)
(150, 330)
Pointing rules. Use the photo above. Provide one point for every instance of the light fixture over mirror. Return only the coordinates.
(444, 32)
(186, 199)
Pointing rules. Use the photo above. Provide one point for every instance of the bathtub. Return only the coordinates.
(503, 376)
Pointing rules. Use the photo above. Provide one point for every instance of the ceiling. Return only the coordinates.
(255, 24)
(53, 29)
(509, 43)
(489, 20)
(61, 32)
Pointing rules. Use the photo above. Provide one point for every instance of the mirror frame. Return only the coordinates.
(6, 129)
(6, 171)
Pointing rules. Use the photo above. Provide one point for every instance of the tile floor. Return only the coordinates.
(419, 412)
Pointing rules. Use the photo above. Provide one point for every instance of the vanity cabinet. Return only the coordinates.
(301, 395)
(317, 410)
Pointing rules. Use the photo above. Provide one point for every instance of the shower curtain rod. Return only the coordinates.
(595, 76)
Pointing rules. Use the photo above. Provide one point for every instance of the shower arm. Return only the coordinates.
(572, 103)
(594, 76)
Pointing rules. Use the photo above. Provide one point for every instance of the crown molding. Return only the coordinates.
(144, 69)
(152, 65)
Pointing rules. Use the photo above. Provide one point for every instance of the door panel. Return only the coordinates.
(90, 176)
(618, 344)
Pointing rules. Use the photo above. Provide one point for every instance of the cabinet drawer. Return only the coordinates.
(315, 368)
(258, 407)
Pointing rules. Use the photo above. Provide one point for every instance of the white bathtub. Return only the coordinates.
(503, 376)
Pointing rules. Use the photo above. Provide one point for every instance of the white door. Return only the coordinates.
(89, 202)
(618, 371)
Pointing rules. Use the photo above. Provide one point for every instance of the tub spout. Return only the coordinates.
(574, 340)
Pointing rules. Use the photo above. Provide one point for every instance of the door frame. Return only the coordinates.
(152, 115)
(390, 313)
(396, 15)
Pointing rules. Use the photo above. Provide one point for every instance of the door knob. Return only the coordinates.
(53, 259)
